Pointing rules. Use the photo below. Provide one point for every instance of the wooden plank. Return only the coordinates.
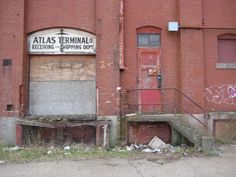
(34, 123)
(59, 124)
(72, 117)
(62, 68)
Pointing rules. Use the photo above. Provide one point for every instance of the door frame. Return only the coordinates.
(140, 50)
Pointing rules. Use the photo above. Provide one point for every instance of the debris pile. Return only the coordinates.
(156, 145)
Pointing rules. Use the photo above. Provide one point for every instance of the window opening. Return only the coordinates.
(227, 48)
(10, 107)
(149, 40)
(7, 62)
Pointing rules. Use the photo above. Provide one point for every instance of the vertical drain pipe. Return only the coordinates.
(121, 35)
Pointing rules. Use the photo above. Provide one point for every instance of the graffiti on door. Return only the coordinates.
(221, 94)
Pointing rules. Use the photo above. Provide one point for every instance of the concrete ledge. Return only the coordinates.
(226, 65)
(114, 138)
(8, 130)
(208, 144)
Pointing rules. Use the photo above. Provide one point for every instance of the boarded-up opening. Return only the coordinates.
(143, 132)
(227, 48)
(33, 135)
(62, 85)
(225, 129)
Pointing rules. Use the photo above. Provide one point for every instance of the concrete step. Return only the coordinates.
(184, 124)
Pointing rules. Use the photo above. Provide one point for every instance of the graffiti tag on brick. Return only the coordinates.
(221, 94)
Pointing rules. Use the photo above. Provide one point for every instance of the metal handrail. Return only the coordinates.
(174, 102)
(204, 111)
(204, 124)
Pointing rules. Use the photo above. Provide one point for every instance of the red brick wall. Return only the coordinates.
(138, 13)
(192, 68)
(190, 13)
(142, 133)
(107, 58)
(70, 13)
(217, 81)
(188, 57)
(100, 17)
(11, 47)
(218, 13)
(191, 53)
(84, 134)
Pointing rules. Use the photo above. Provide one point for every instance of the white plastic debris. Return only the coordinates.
(2, 162)
(137, 146)
(157, 143)
(148, 150)
(67, 148)
(49, 152)
(67, 153)
(130, 148)
(15, 148)
(172, 149)
(152, 150)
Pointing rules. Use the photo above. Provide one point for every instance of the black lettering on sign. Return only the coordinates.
(53, 40)
(35, 40)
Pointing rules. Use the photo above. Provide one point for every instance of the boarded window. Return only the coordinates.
(7, 62)
(148, 40)
(227, 49)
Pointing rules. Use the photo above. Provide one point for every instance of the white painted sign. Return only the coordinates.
(61, 41)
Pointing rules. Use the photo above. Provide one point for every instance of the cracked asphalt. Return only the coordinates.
(220, 166)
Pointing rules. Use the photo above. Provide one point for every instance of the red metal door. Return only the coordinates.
(149, 69)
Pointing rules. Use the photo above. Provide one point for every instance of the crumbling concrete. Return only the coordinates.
(218, 116)
(7, 130)
(114, 137)
(208, 144)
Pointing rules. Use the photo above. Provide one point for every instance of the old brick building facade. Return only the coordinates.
(188, 69)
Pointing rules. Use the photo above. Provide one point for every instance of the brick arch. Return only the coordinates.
(148, 29)
(55, 27)
(227, 36)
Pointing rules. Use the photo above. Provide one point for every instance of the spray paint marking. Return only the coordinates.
(222, 94)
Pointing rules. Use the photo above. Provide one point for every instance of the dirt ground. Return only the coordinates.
(223, 165)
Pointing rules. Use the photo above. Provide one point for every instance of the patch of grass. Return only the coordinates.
(225, 141)
(44, 154)
(211, 154)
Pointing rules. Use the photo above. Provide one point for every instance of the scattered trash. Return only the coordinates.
(149, 150)
(67, 148)
(51, 147)
(130, 148)
(67, 153)
(156, 145)
(172, 149)
(49, 152)
(2, 162)
(15, 148)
